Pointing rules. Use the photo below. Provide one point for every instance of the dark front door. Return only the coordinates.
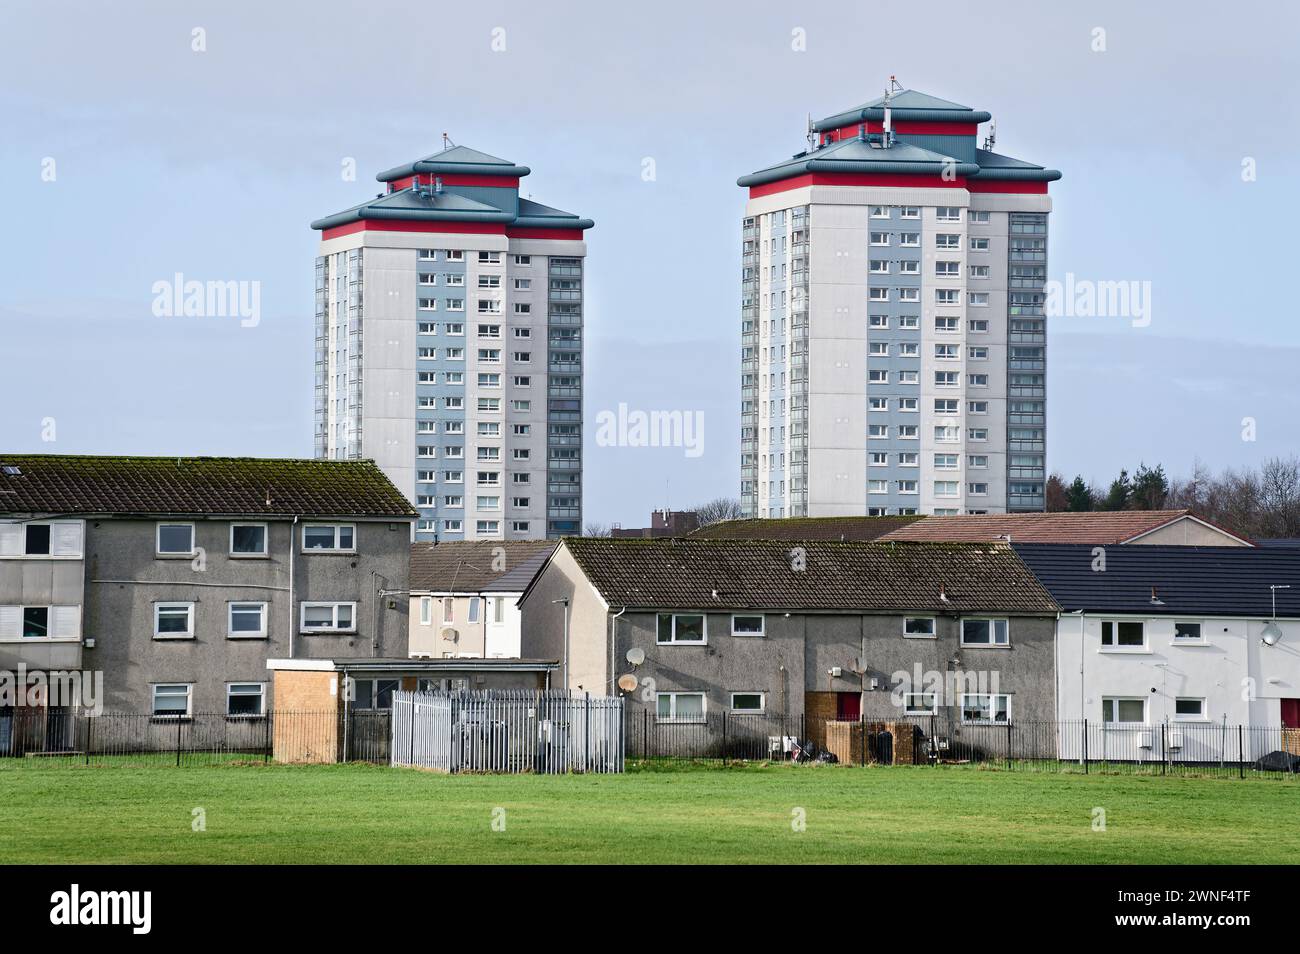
(1291, 713)
(848, 706)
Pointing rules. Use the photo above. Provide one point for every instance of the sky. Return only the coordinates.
(128, 156)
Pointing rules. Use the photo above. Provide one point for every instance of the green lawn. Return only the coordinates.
(364, 813)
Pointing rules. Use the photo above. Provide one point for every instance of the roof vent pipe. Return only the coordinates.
(437, 185)
(862, 131)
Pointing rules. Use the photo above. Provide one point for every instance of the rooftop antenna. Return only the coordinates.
(811, 135)
(446, 142)
(888, 139)
(991, 139)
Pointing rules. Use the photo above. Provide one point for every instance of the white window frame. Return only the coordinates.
(762, 701)
(334, 605)
(338, 528)
(179, 554)
(762, 624)
(1114, 646)
(674, 641)
(932, 634)
(1199, 717)
(230, 619)
(909, 708)
(992, 707)
(673, 718)
(261, 697)
(1115, 722)
(266, 540)
(1197, 640)
(992, 643)
(173, 604)
(153, 700)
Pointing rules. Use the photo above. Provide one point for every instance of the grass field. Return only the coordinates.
(368, 814)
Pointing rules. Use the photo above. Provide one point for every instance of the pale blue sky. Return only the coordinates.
(213, 164)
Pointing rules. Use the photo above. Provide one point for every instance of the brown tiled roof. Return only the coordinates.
(858, 529)
(760, 574)
(473, 566)
(196, 486)
(1095, 527)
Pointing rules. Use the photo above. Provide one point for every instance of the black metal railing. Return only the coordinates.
(69, 735)
(1171, 748)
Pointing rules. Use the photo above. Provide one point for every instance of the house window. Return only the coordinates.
(682, 628)
(36, 622)
(173, 620)
(426, 610)
(172, 700)
(473, 609)
(920, 703)
(247, 619)
(921, 627)
(175, 539)
(329, 617)
(679, 707)
(246, 699)
(746, 626)
(1123, 634)
(1187, 633)
(336, 537)
(1189, 709)
(1131, 711)
(448, 609)
(985, 707)
(747, 702)
(984, 632)
(37, 542)
(248, 539)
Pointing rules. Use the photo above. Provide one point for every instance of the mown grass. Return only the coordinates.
(256, 813)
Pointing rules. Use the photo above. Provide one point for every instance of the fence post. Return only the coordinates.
(862, 740)
(1241, 751)
(270, 737)
(178, 740)
(1085, 746)
(1008, 745)
(724, 738)
(90, 736)
(1164, 748)
(645, 735)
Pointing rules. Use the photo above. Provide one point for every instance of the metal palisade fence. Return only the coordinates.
(1184, 748)
(508, 731)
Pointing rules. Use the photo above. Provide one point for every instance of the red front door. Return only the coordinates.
(1291, 713)
(848, 706)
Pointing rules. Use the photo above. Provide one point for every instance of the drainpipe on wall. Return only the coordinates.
(613, 644)
(293, 535)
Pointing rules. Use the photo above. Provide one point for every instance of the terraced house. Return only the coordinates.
(449, 315)
(177, 578)
(892, 319)
(823, 630)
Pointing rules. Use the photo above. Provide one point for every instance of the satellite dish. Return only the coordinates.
(627, 682)
(450, 635)
(636, 656)
(1271, 634)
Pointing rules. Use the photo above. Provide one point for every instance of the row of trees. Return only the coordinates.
(1260, 502)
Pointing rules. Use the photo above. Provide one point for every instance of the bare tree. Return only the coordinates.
(595, 530)
(718, 509)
